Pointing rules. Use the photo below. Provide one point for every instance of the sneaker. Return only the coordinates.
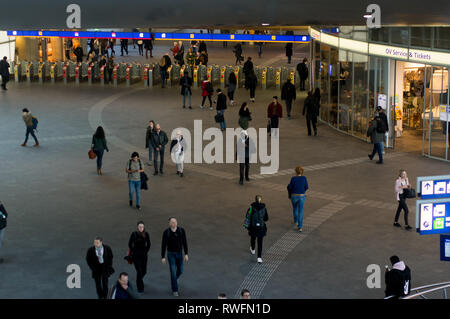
(175, 294)
(252, 251)
(210, 108)
(300, 230)
(155, 173)
(397, 224)
(138, 207)
(131, 203)
(370, 156)
(201, 106)
(408, 227)
(259, 260)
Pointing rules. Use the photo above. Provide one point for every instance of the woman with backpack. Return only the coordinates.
(134, 169)
(402, 186)
(139, 246)
(99, 146)
(232, 83)
(207, 91)
(257, 229)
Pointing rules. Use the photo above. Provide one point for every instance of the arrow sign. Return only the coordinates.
(427, 186)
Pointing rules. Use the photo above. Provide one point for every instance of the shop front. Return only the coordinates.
(354, 77)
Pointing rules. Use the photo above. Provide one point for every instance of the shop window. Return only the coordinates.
(379, 35)
(421, 37)
(442, 38)
(400, 35)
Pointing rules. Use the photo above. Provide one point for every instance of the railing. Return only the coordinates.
(426, 290)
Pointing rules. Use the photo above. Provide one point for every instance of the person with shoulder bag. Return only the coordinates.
(139, 245)
(3, 223)
(403, 190)
(98, 146)
(134, 169)
(257, 217)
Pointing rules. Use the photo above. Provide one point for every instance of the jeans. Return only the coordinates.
(402, 205)
(377, 148)
(288, 107)
(176, 268)
(150, 153)
(155, 159)
(99, 154)
(101, 285)
(30, 130)
(260, 244)
(163, 77)
(188, 95)
(222, 124)
(298, 202)
(2, 233)
(135, 186)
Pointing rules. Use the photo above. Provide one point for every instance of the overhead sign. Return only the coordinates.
(444, 113)
(445, 247)
(434, 188)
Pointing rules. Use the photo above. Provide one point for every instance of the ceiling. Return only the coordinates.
(43, 14)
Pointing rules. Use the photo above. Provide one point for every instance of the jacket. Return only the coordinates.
(375, 137)
(288, 91)
(139, 246)
(204, 91)
(4, 70)
(244, 118)
(383, 117)
(288, 48)
(112, 292)
(163, 139)
(270, 110)
(248, 67)
(259, 213)
(99, 143)
(185, 83)
(28, 119)
(95, 266)
(398, 280)
(302, 70)
(179, 240)
(310, 107)
(148, 136)
(221, 102)
(251, 80)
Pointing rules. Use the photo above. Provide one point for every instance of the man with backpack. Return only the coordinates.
(164, 64)
(3, 218)
(31, 124)
(397, 279)
(256, 219)
(376, 132)
(385, 126)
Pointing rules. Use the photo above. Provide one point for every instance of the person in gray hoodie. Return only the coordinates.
(376, 138)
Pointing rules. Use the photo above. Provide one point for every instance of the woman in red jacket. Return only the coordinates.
(207, 91)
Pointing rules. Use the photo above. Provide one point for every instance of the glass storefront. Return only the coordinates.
(415, 96)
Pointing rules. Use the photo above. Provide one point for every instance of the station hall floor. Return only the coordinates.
(57, 204)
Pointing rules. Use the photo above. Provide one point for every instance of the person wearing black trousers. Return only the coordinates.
(257, 228)
(401, 184)
(311, 113)
(100, 260)
(139, 245)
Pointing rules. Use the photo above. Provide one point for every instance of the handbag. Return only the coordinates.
(247, 218)
(218, 118)
(289, 192)
(92, 154)
(409, 193)
(129, 258)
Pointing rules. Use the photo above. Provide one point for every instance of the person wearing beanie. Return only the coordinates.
(134, 169)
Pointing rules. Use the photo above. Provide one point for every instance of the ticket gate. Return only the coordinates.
(223, 79)
(195, 76)
(17, 72)
(169, 76)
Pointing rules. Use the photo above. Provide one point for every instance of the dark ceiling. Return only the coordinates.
(32, 14)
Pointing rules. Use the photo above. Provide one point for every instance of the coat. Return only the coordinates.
(310, 107)
(4, 70)
(375, 137)
(288, 92)
(204, 91)
(302, 70)
(271, 108)
(244, 118)
(221, 102)
(251, 80)
(288, 48)
(97, 269)
(185, 83)
(148, 136)
(163, 138)
(258, 211)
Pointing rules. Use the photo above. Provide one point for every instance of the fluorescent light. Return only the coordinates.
(367, 16)
(265, 24)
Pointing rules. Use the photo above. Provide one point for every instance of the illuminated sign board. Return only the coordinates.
(445, 247)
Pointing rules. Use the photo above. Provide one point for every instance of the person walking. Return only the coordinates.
(174, 50)
(134, 169)
(177, 148)
(3, 224)
(112, 43)
(244, 116)
(207, 91)
(302, 69)
(30, 123)
(376, 136)
(98, 145)
(309, 107)
(164, 65)
(139, 245)
(148, 46)
(100, 260)
(402, 184)
(297, 193)
(289, 51)
(288, 94)
(123, 46)
(238, 53)
(316, 97)
(4, 72)
(384, 127)
(232, 83)
(122, 289)
(259, 45)
(250, 83)
(274, 113)
(202, 47)
(186, 84)
(248, 66)
(397, 279)
(78, 51)
(158, 141)
(243, 156)
(174, 242)
(109, 69)
(148, 140)
(257, 228)
(221, 106)
(180, 54)
(140, 44)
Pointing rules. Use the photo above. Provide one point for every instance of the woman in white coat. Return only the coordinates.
(177, 148)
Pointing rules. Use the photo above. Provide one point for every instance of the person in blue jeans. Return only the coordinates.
(134, 169)
(174, 242)
(297, 189)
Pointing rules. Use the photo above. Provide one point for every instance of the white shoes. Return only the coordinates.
(259, 260)
(252, 251)
(201, 106)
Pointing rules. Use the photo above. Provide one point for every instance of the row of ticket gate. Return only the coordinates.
(147, 74)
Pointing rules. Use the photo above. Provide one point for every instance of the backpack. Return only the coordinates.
(140, 164)
(248, 217)
(209, 87)
(381, 126)
(257, 221)
(35, 122)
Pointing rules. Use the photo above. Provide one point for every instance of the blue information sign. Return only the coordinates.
(434, 216)
(445, 247)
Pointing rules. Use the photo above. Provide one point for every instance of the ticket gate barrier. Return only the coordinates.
(264, 78)
(195, 76)
(128, 74)
(115, 74)
(175, 74)
(102, 75)
(278, 78)
(169, 76)
(209, 72)
(17, 72)
(270, 77)
(292, 76)
(77, 73)
(239, 77)
(223, 80)
(90, 73)
(202, 73)
(284, 75)
(136, 73)
(41, 73)
(215, 74)
(145, 75)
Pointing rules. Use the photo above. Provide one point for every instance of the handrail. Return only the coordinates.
(443, 285)
(430, 286)
(420, 294)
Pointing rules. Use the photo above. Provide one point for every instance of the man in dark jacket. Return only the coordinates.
(221, 106)
(122, 289)
(3, 223)
(174, 242)
(288, 94)
(398, 279)
(385, 128)
(100, 260)
(4, 72)
(274, 113)
(244, 148)
(302, 69)
(185, 84)
(289, 51)
(310, 107)
(376, 138)
(248, 66)
(238, 53)
(164, 64)
(78, 51)
(158, 140)
(257, 228)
